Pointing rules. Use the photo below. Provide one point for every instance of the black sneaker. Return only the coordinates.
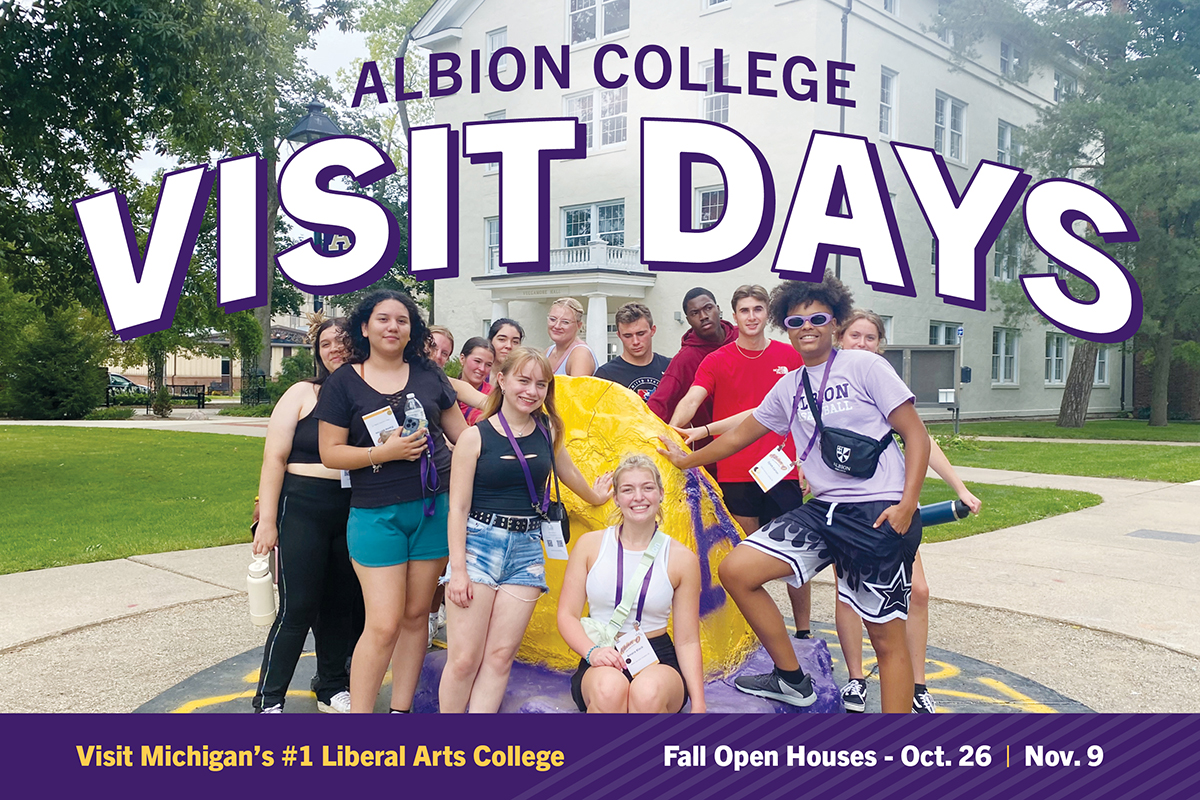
(854, 696)
(772, 687)
(923, 703)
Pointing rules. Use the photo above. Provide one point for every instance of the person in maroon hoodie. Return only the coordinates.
(708, 332)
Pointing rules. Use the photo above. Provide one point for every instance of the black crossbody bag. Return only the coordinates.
(844, 450)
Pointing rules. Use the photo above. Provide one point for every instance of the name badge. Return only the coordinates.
(552, 537)
(345, 479)
(773, 468)
(635, 650)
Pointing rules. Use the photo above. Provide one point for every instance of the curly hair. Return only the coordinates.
(417, 349)
(830, 291)
(316, 331)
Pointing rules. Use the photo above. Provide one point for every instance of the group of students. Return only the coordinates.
(473, 489)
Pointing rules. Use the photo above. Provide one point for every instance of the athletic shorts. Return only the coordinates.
(664, 648)
(874, 565)
(746, 499)
(499, 557)
(397, 534)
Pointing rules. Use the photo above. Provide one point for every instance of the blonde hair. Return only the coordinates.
(574, 305)
(863, 313)
(444, 331)
(514, 363)
(631, 462)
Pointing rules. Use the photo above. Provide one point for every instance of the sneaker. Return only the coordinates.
(433, 626)
(923, 703)
(275, 709)
(441, 615)
(338, 704)
(803, 634)
(854, 696)
(772, 687)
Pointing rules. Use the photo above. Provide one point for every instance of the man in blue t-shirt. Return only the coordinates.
(638, 367)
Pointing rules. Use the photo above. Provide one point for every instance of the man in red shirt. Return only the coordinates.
(735, 378)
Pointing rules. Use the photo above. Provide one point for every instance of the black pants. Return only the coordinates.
(317, 589)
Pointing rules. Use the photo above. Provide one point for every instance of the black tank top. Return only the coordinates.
(500, 486)
(304, 442)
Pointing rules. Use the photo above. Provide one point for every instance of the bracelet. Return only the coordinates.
(706, 433)
(588, 657)
(374, 467)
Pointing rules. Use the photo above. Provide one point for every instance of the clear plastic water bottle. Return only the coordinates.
(414, 415)
(261, 590)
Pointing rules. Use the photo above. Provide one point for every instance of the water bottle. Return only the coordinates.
(414, 415)
(946, 511)
(261, 589)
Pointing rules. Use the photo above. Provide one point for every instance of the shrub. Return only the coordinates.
(956, 443)
(292, 370)
(127, 399)
(110, 413)
(246, 411)
(453, 368)
(57, 368)
(162, 402)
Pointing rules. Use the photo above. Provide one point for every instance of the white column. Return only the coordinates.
(499, 309)
(597, 326)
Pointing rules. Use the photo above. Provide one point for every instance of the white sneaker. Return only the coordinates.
(276, 709)
(338, 704)
(441, 615)
(433, 626)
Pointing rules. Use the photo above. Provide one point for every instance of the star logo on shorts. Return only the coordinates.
(893, 596)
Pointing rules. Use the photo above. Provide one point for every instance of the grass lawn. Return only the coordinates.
(1003, 507)
(1143, 462)
(1116, 429)
(76, 495)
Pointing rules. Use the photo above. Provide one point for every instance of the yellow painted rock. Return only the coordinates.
(604, 422)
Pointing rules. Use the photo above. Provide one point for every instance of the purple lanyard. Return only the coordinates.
(429, 477)
(621, 577)
(545, 504)
(817, 399)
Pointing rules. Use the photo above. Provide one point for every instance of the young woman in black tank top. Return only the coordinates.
(303, 510)
(497, 570)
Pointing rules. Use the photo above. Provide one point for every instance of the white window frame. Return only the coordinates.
(714, 105)
(947, 332)
(593, 223)
(888, 81)
(1055, 372)
(1006, 260)
(892, 7)
(491, 247)
(494, 41)
(946, 35)
(714, 5)
(1010, 58)
(1065, 85)
(1100, 375)
(599, 8)
(1009, 342)
(698, 221)
(492, 167)
(595, 133)
(1008, 143)
(943, 123)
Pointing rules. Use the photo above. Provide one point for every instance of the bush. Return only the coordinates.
(162, 402)
(1173, 415)
(110, 413)
(292, 370)
(247, 411)
(127, 399)
(956, 443)
(453, 368)
(57, 370)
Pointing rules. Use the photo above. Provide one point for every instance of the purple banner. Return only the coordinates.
(534, 757)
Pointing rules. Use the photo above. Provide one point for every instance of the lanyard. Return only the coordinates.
(621, 577)
(816, 408)
(545, 504)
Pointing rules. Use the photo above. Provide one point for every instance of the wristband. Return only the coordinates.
(588, 657)
(706, 432)
(374, 467)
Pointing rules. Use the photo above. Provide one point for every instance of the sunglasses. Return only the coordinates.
(818, 320)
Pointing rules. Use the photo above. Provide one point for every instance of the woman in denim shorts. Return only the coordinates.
(497, 570)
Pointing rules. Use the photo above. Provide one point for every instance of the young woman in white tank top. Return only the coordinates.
(603, 560)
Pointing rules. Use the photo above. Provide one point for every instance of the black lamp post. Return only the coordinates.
(312, 126)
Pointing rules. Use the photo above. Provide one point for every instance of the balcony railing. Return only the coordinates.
(593, 255)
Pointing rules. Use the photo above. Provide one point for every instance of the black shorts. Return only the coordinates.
(746, 499)
(874, 565)
(664, 648)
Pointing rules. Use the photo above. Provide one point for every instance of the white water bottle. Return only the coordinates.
(261, 589)
(414, 415)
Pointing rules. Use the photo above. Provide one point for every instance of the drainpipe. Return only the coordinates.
(837, 264)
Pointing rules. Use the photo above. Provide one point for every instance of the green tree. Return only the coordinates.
(58, 366)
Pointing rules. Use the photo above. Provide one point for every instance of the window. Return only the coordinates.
(495, 40)
(887, 102)
(1064, 86)
(887, 327)
(949, 123)
(1008, 144)
(944, 32)
(1004, 355)
(716, 3)
(491, 244)
(710, 202)
(1007, 257)
(595, 19)
(1101, 376)
(1010, 59)
(607, 220)
(890, 6)
(1055, 269)
(714, 105)
(943, 332)
(1056, 358)
(492, 166)
(613, 106)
